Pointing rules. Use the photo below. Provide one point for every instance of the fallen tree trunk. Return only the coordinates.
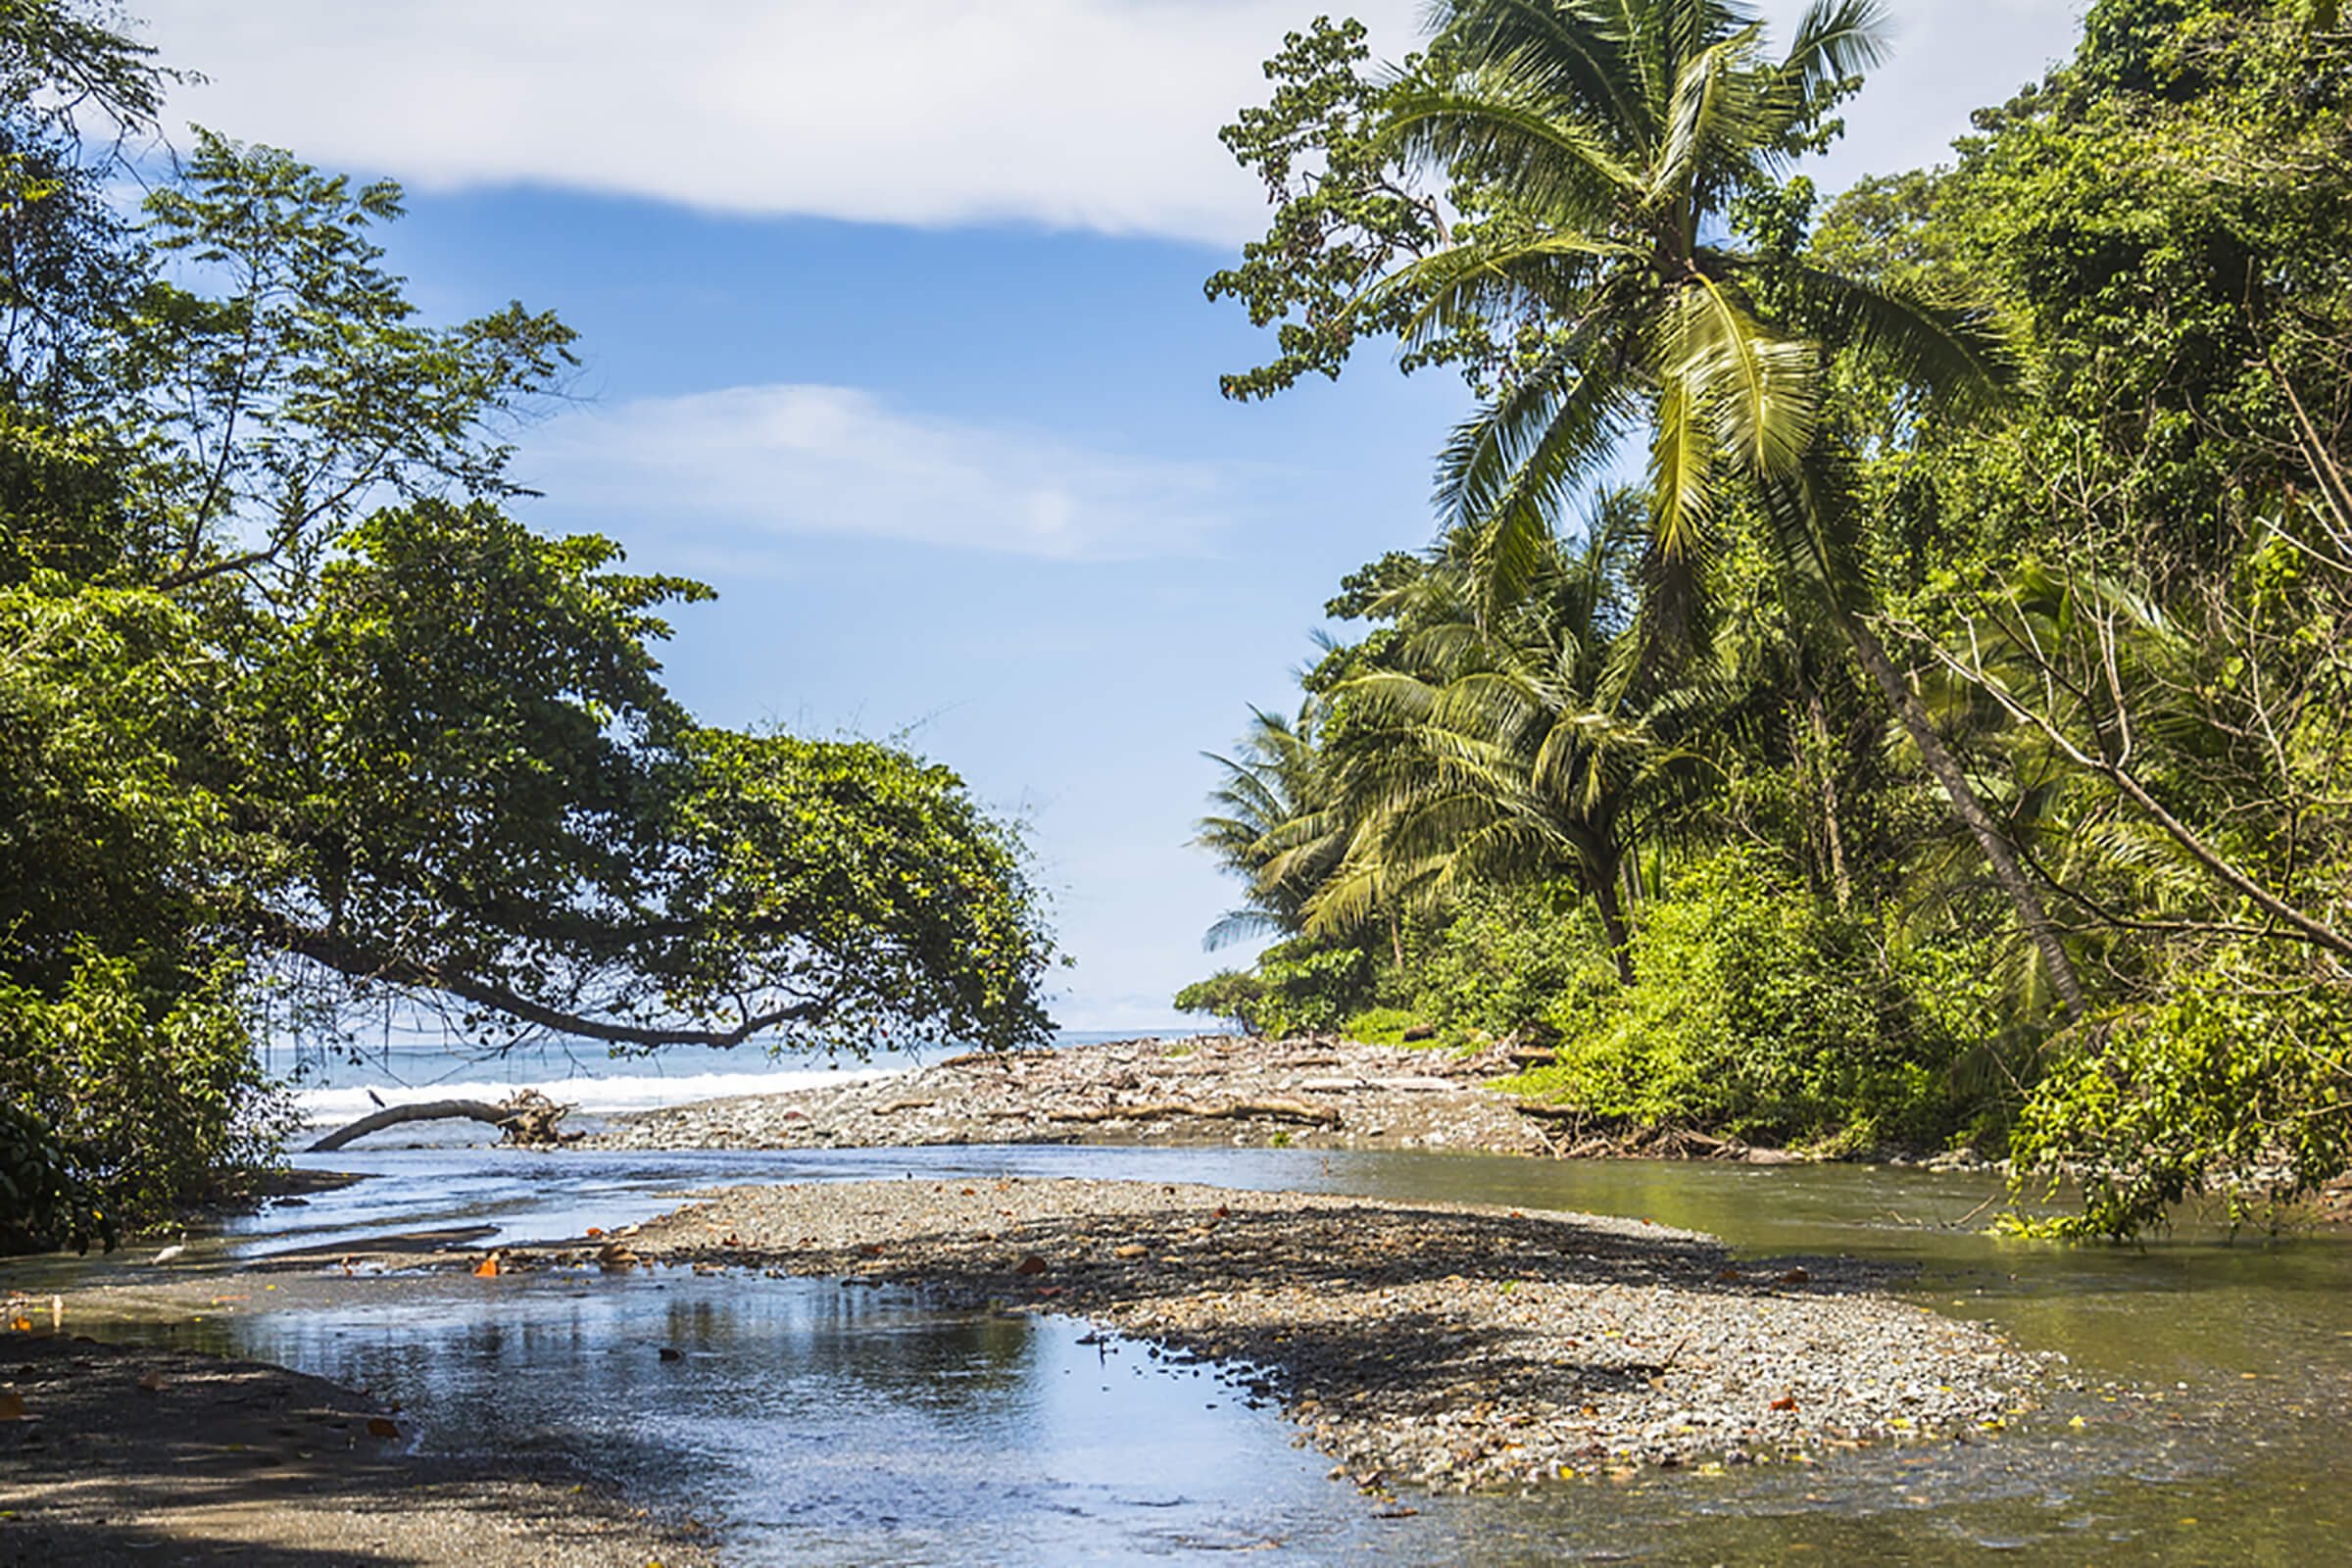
(423, 1110)
(529, 1117)
(1291, 1110)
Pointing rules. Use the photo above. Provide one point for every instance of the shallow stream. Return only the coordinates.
(819, 1424)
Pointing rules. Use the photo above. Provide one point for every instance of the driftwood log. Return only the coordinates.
(1291, 1110)
(527, 1117)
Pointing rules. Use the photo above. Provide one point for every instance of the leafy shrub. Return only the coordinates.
(1508, 957)
(2232, 1084)
(122, 1100)
(1379, 1026)
(1759, 1012)
(1311, 989)
(1231, 995)
(42, 1201)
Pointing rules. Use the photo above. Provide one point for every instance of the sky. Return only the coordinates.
(893, 331)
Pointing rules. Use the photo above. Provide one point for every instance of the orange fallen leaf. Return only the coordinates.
(379, 1427)
(22, 1325)
(595, 1231)
(487, 1268)
(1031, 1264)
(1787, 1401)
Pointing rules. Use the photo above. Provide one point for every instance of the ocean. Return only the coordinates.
(333, 1089)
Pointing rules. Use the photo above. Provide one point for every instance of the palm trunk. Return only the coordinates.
(1613, 922)
(1833, 836)
(2041, 930)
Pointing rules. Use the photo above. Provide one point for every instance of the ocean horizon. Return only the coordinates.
(332, 1087)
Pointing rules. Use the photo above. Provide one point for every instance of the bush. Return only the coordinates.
(1230, 995)
(1507, 957)
(1757, 1011)
(1311, 989)
(1379, 1026)
(2233, 1084)
(122, 1100)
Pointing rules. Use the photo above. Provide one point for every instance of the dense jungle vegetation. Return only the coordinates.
(1943, 738)
(299, 721)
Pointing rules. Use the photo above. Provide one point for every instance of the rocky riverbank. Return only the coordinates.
(114, 1454)
(1317, 1093)
(1441, 1344)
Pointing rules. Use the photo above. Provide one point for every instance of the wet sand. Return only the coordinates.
(113, 1455)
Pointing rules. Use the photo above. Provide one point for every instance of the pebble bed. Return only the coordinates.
(1313, 1094)
(1446, 1345)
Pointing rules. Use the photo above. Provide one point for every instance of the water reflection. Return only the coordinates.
(833, 1425)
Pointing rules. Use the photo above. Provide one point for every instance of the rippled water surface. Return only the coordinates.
(819, 1424)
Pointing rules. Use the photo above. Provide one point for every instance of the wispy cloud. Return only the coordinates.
(1086, 114)
(794, 458)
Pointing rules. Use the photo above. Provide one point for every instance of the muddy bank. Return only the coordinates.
(1219, 1089)
(112, 1454)
(1442, 1344)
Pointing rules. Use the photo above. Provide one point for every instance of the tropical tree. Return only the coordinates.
(1272, 823)
(296, 719)
(1507, 751)
(1597, 153)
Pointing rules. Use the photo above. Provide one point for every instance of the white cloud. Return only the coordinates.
(831, 460)
(1086, 114)
(1090, 114)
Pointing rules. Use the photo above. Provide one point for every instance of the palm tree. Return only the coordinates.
(1616, 133)
(1273, 826)
(1494, 752)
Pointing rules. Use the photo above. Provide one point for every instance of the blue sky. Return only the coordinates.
(893, 331)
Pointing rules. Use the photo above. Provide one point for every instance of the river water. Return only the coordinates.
(818, 1424)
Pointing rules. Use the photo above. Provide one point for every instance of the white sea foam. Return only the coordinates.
(327, 1107)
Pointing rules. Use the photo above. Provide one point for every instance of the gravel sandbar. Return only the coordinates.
(1220, 1088)
(1446, 1344)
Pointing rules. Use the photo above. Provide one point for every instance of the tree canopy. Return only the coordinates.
(1995, 536)
(297, 716)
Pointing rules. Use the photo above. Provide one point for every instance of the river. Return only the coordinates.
(817, 1424)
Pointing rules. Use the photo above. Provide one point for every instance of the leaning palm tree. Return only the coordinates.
(1614, 135)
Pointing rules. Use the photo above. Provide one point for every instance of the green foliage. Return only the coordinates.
(125, 1100)
(1230, 995)
(2235, 1083)
(1379, 1026)
(286, 692)
(860, 887)
(1509, 956)
(1997, 521)
(1757, 1011)
(1309, 987)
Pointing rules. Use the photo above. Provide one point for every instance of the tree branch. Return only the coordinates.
(347, 959)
